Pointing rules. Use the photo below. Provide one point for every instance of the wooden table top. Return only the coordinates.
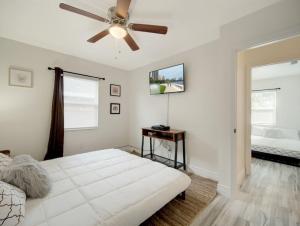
(171, 131)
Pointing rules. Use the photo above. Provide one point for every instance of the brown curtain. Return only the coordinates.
(56, 138)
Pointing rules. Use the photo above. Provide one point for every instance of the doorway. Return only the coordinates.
(275, 110)
(284, 51)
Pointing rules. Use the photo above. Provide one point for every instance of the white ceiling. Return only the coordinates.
(191, 23)
(276, 70)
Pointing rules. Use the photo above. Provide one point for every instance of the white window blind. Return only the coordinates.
(80, 102)
(263, 107)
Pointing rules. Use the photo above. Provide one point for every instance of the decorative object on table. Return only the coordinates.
(12, 205)
(160, 127)
(27, 174)
(20, 77)
(115, 108)
(115, 90)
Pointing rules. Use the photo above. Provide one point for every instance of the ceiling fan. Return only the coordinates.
(118, 19)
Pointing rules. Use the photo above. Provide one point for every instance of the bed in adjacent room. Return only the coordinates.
(276, 144)
(107, 187)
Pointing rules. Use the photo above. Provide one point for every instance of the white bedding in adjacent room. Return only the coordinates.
(106, 187)
(279, 146)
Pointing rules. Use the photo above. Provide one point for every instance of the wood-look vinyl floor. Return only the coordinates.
(180, 212)
(269, 197)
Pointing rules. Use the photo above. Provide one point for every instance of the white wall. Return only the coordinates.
(288, 99)
(207, 110)
(25, 113)
(196, 110)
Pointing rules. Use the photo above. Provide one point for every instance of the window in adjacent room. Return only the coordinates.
(80, 103)
(263, 107)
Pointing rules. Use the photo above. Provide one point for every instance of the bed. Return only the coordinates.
(275, 144)
(106, 187)
(283, 147)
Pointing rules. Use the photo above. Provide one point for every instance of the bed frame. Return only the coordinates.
(276, 158)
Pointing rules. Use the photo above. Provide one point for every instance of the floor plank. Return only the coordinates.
(269, 197)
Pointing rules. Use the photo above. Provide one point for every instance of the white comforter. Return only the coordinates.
(107, 187)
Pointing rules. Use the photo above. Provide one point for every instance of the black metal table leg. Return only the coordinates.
(151, 153)
(176, 149)
(153, 146)
(183, 195)
(183, 152)
(142, 148)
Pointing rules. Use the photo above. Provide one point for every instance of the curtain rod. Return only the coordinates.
(74, 73)
(266, 89)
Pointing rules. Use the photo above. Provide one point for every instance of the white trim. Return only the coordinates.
(240, 177)
(203, 172)
(221, 189)
(80, 128)
(224, 190)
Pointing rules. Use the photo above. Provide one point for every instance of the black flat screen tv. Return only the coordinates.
(167, 80)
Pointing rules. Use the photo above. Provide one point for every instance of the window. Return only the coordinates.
(263, 108)
(80, 103)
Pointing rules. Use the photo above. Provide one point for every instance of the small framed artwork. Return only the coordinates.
(115, 108)
(115, 90)
(20, 77)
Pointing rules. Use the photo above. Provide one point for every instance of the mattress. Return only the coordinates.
(283, 147)
(106, 187)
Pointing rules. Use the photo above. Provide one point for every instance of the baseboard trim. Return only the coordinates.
(224, 190)
(240, 178)
(221, 189)
(203, 172)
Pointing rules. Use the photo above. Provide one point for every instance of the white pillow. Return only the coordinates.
(290, 134)
(5, 160)
(258, 131)
(273, 133)
(12, 205)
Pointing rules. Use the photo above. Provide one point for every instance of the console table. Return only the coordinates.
(169, 135)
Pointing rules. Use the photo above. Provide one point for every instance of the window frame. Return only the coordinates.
(98, 110)
(257, 110)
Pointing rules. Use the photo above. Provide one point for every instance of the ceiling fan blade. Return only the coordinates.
(98, 36)
(122, 8)
(132, 44)
(149, 28)
(82, 12)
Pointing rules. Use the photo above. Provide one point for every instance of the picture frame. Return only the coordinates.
(115, 90)
(20, 77)
(115, 108)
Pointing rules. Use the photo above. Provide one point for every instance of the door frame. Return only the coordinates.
(278, 58)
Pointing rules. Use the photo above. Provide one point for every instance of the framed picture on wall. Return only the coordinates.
(115, 90)
(20, 77)
(115, 108)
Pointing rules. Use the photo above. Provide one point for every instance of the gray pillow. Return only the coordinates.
(27, 174)
(4, 161)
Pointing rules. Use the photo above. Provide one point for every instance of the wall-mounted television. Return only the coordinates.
(167, 80)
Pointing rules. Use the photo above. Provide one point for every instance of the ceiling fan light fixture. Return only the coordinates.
(117, 31)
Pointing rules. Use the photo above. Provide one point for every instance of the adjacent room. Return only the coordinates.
(275, 112)
(130, 112)
(267, 165)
